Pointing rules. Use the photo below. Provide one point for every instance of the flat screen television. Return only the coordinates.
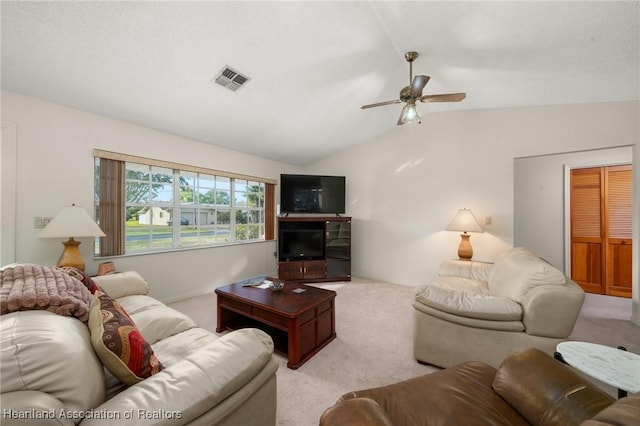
(303, 244)
(312, 194)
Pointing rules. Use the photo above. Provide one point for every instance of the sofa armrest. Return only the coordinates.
(623, 412)
(122, 284)
(469, 269)
(189, 388)
(32, 408)
(552, 310)
(547, 392)
(355, 412)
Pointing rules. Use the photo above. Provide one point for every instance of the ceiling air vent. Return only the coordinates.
(230, 78)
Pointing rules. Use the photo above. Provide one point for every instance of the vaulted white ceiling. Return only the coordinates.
(313, 64)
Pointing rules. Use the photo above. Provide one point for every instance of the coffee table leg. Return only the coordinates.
(220, 327)
(557, 355)
(622, 393)
(293, 349)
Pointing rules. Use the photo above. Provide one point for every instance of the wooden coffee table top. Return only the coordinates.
(286, 302)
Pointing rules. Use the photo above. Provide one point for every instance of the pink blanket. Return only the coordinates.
(28, 287)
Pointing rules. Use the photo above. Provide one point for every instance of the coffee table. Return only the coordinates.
(300, 319)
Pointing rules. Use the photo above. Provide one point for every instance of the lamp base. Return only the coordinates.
(465, 251)
(71, 255)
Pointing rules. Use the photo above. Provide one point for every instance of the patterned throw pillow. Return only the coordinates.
(80, 275)
(118, 342)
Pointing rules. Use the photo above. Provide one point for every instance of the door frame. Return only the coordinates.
(567, 202)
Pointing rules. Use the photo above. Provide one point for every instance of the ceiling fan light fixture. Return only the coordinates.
(413, 93)
(410, 114)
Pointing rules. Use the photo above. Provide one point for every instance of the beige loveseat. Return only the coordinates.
(484, 312)
(50, 373)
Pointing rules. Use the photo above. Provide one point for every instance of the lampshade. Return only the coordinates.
(409, 114)
(464, 221)
(72, 221)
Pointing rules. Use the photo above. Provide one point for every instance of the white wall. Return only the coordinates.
(55, 168)
(404, 187)
(539, 199)
(8, 190)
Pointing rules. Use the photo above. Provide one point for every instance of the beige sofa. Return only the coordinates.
(50, 373)
(484, 312)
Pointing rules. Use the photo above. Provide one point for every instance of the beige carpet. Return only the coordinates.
(374, 344)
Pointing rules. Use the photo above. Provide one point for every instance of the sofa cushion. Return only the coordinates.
(215, 375)
(458, 395)
(514, 275)
(476, 271)
(155, 320)
(545, 391)
(138, 303)
(122, 284)
(421, 308)
(356, 412)
(119, 343)
(459, 284)
(462, 297)
(179, 346)
(45, 352)
(623, 412)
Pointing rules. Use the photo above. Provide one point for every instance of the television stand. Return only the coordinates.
(314, 248)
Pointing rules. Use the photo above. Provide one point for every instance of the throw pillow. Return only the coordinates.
(80, 275)
(514, 275)
(118, 341)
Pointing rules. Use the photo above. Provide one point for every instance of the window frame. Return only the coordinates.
(264, 210)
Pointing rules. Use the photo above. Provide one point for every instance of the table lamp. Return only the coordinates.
(72, 221)
(464, 222)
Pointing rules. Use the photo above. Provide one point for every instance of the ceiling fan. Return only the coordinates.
(413, 92)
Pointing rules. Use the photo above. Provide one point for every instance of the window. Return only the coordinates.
(146, 205)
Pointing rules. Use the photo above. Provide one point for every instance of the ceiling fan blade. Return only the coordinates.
(449, 97)
(397, 101)
(419, 81)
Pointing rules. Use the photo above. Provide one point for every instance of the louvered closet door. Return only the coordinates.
(601, 229)
(619, 218)
(587, 251)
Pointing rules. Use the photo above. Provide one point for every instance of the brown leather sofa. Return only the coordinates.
(529, 388)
